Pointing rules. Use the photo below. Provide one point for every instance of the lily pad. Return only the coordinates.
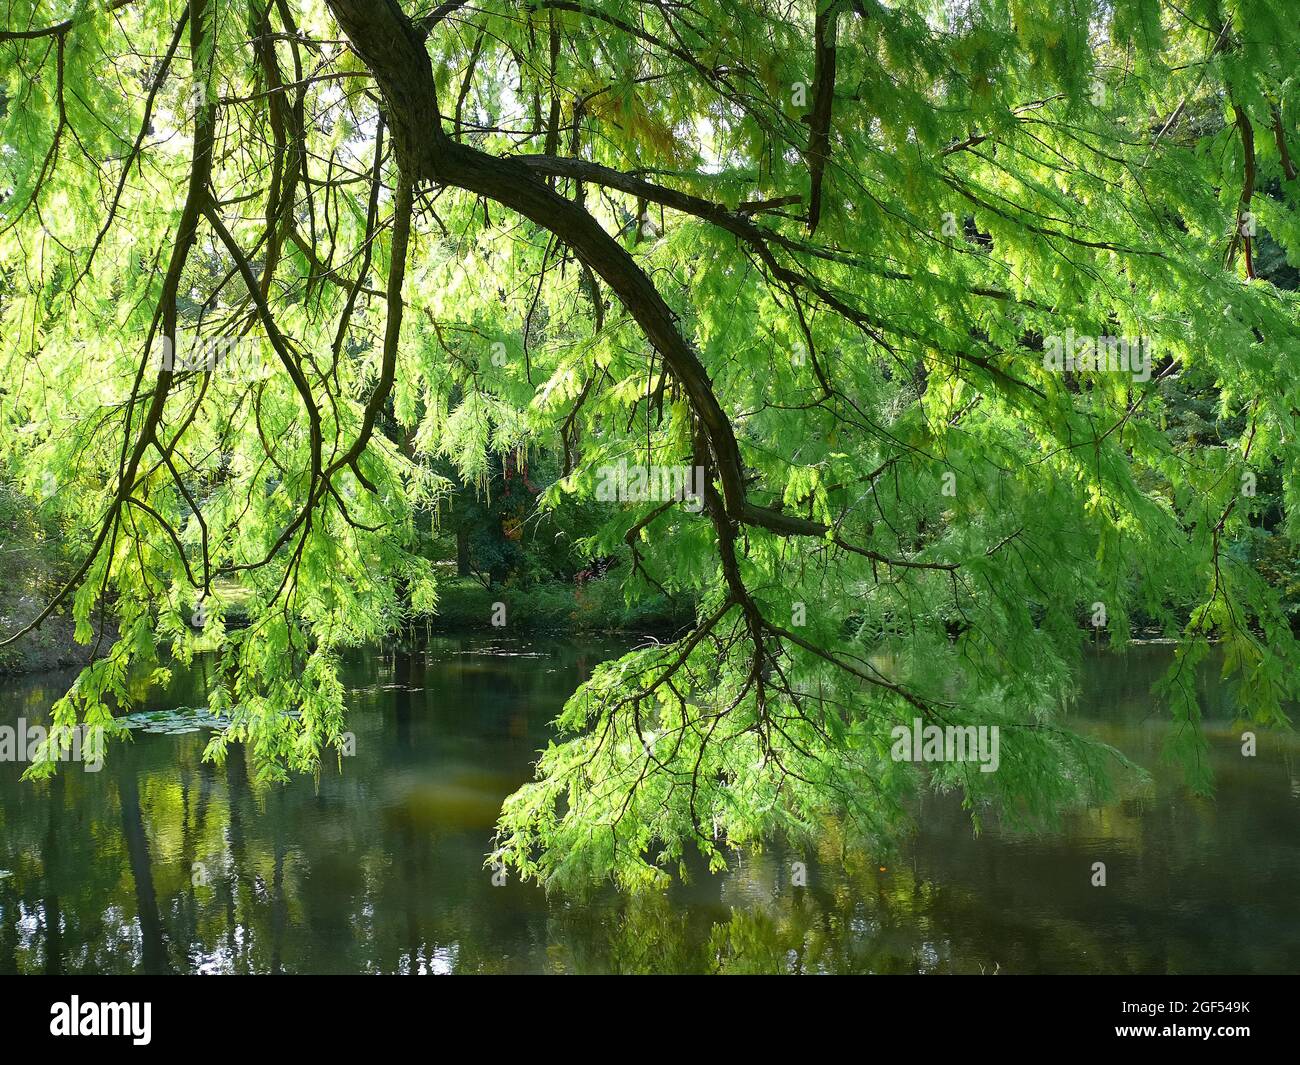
(177, 722)
(180, 721)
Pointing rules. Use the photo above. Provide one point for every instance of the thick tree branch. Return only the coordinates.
(825, 29)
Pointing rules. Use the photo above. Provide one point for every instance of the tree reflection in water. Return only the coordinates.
(163, 863)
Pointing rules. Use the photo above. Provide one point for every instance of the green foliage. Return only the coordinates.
(32, 564)
(908, 512)
(595, 607)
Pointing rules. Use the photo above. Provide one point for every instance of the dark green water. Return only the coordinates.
(162, 863)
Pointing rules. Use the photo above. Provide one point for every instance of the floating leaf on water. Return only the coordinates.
(177, 722)
(181, 720)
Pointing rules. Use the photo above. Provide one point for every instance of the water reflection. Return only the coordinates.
(162, 863)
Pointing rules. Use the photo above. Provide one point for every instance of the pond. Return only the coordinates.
(161, 863)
